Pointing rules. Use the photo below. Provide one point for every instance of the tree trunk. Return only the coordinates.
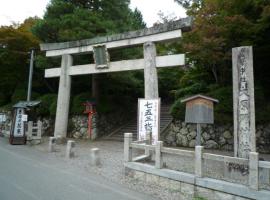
(214, 71)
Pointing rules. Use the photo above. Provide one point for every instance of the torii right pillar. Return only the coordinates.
(243, 102)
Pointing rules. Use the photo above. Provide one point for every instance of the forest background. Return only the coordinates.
(219, 26)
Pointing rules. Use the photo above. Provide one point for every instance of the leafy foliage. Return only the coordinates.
(219, 26)
(15, 43)
(224, 109)
(47, 106)
(77, 103)
(178, 110)
(67, 20)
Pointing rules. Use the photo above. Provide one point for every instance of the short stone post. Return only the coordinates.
(159, 159)
(60, 140)
(199, 161)
(95, 157)
(148, 142)
(52, 144)
(39, 130)
(29, 130)
(254, 170)
(127, 148)
(70, 149)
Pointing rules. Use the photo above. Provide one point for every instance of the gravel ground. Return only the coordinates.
(112, 167)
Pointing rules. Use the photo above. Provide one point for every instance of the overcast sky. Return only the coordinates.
(18, 10)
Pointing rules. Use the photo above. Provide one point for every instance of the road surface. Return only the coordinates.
(27, 174)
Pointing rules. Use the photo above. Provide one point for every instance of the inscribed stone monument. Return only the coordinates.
(243, 101)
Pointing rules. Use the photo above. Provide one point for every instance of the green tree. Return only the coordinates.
(15, 44)
(67, 20)
(219, 26)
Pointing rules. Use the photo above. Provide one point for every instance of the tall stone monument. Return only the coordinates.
(243, 102)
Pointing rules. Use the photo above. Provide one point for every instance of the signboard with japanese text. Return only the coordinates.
(148, 118)
(2, 118)
(24, 118)
(19, 123)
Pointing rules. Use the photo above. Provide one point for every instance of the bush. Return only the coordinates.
(178, 110)
(48, 105)
(191, 90)
(52, 108)
(77, 103)
(223, 109)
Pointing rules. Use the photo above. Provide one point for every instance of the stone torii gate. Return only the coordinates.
(100, 46)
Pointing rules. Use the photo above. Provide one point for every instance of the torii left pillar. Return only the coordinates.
(62, 111)
(150, 71)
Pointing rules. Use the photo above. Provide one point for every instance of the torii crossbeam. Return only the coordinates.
(100, 46)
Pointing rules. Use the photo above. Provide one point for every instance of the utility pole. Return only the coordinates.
(30, 76)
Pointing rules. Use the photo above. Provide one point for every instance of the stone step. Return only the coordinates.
(165, 119)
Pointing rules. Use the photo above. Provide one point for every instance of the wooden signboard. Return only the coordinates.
(199, 109)
(17, 134)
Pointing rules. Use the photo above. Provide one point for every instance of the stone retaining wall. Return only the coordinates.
(213, 136)
(77, 126)
(5, 126)
(103, 124)
(47, 125)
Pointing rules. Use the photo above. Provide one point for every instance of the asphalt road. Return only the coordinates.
(27, 174)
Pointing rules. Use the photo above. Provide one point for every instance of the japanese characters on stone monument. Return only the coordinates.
(243, 101)
(148, 118)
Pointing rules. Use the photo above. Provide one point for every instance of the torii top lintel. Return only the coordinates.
(161, 32)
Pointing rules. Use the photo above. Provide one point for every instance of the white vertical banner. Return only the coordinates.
(149, 118)
(19, 124)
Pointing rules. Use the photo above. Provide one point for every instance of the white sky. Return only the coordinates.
(18, 10)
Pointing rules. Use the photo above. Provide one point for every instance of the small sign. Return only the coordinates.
(148, 118)
(24, 118)
(3, 117)
(101, 57)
